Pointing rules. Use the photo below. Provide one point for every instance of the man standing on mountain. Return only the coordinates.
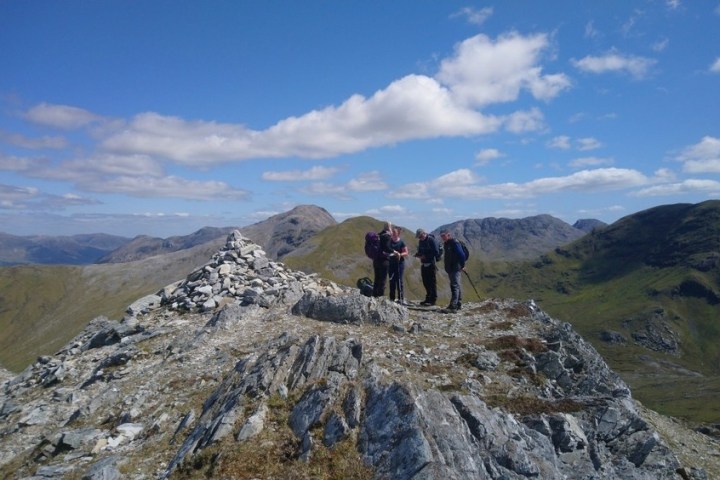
(454, 266)
(428, 252)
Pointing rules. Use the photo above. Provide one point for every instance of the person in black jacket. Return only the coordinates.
(427, 252)
(397, 267)
(454, 266)
(381, 263)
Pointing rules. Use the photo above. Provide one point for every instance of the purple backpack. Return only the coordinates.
(372, 245)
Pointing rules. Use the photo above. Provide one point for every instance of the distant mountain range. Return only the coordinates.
(60, 250)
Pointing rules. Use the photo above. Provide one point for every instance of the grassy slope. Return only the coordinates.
(43, 307)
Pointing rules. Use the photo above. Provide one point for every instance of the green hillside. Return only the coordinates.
(655, 273)
(42, 307)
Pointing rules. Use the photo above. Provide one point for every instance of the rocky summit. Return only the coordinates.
(246, 369)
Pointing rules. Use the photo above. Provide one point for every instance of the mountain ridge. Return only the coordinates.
(304, 378)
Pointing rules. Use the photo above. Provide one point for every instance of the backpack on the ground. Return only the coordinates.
(372, 245)
(366, 286)
(465, 250)
(439, 247)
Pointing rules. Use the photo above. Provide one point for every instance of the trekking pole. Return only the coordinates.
(472, 284)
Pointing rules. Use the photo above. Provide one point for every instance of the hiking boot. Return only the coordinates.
(453, 307)
(427, 304)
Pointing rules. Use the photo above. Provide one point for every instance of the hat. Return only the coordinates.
(419, 232)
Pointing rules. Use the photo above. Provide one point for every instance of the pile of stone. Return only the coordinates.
(242, 273)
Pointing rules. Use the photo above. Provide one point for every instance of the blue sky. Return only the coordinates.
(161, 117)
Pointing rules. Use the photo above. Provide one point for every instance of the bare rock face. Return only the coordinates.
(287, 375)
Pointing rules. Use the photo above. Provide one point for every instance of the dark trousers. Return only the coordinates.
(397, 270)
(381, 268)
(429, 279)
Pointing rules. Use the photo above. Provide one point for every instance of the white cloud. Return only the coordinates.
(588, 143)
(480, 72)
(485, 156)
(22, 164)
(586, 181)
(585, 162)
(691, 186)
(703, 157)
(31, 198)
(415, 191)
(45, 142)
(14, 197)
(636, 66)
(562, 142)
(60, 116)
(673, 4)
(167, 187)
(483, 72)
(715, 67)
(525, 121)
(367, 182)
(315, 173)
(474, 15)
(457, 178)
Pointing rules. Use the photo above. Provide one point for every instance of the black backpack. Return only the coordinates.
(366, 286)
(439, 247)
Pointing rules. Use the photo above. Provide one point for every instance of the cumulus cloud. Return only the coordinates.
(483, 71)
(703, 157)
(464, 184)
(31, 198)
(410, 191)
(313, 174)
(167, 187)
(564, 142)
(588, 143)
(480, 72)
(61, 116)
(14, 163)
(637, 67)
(690, 186)
(585, 162)
(485, 156)
(14, 197)
(44, 142)
(366, 182)
(561, 142)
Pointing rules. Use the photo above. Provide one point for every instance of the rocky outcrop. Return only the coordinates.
(302, 373)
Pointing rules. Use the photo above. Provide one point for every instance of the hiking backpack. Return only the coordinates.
(366, 286)
(372, 245)
(464, 249)
(439, 247)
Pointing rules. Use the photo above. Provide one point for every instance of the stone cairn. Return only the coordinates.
(241, 273)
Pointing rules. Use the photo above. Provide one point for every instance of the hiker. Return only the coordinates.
(397, 266)
(428, 252)
(454, 266)
(381, 264)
